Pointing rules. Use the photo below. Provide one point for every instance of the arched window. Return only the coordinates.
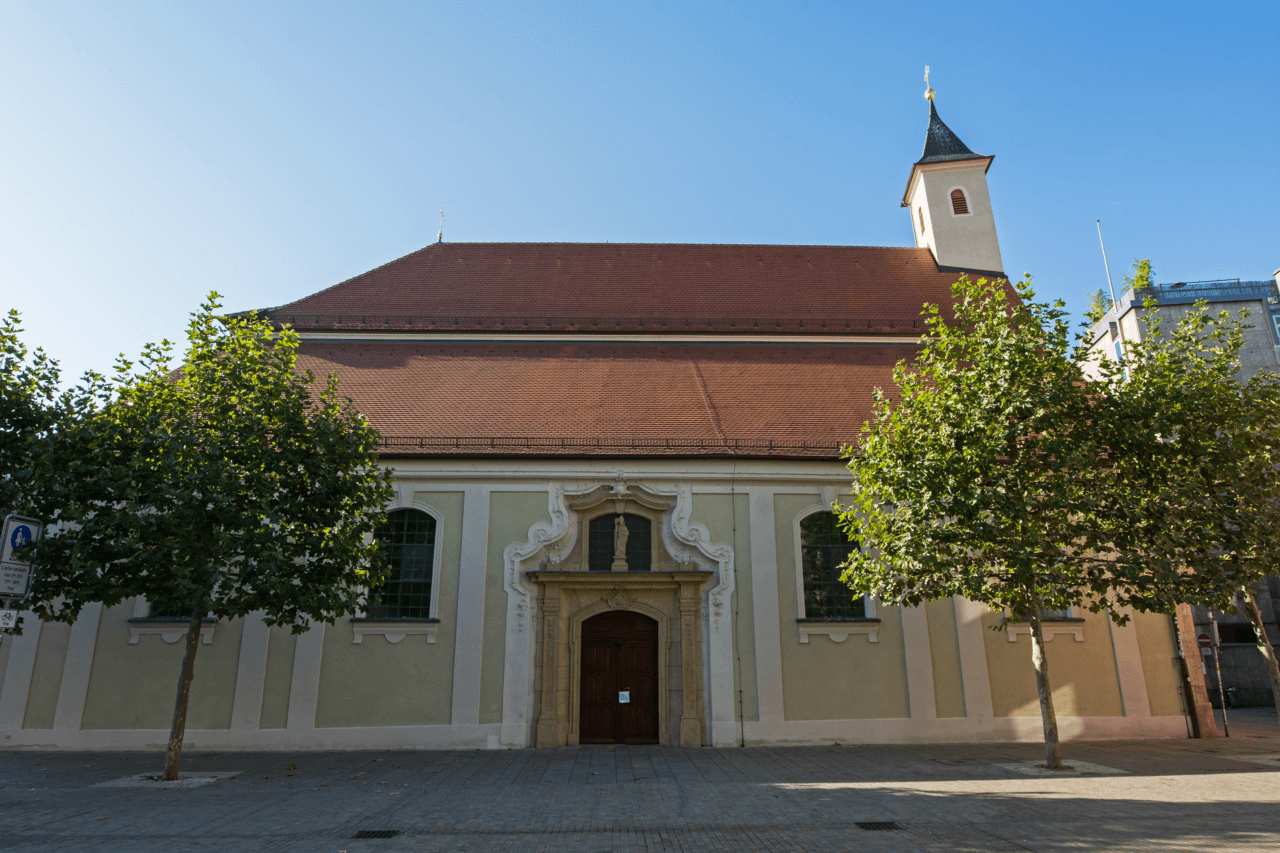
(409, 538)
(639, 543)
(920, 211)
(823, 547)
(959, 204)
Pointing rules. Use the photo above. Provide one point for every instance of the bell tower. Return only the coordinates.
(949, 203)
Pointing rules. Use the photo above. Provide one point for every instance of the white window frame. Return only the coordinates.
(395, 630)
(968, 201)
(835, 631)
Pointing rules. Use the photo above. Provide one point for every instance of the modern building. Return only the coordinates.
(614, 471)
(1244, 675)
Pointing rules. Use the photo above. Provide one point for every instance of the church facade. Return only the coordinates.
(615, 466)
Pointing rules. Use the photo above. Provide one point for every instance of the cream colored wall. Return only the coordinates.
(133, 687)
(510, 516)
(957, 241)
(409, 683)
(944, 650)
(1159, 652)
(278, 679)
(728, 520)
(1082, 675)
(46, 680)
(824, 680)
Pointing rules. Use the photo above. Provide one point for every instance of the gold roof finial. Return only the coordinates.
(440, 236)
(928, 93)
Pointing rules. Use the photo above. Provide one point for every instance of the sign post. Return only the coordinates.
(15, 569)
(1222, 691)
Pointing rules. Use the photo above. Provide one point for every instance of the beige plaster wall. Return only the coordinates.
(1082, 675)
(510, 516)
(133, 687)
(824, 680)
(46, 680)
(727, 518)
(944, 650)
(278, 679)
(409, 683)
(1159, 653)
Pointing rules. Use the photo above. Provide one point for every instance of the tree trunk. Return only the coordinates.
(1264, 642)
(1052, 750)
(184, 694)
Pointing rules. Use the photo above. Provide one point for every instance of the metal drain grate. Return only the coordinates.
(876, 824)
(377, 833)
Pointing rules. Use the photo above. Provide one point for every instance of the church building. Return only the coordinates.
(615, 466)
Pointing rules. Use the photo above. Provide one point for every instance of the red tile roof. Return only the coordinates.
(580, 399)
(509, 285)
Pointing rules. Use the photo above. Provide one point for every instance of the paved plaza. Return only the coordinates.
(1124, 795)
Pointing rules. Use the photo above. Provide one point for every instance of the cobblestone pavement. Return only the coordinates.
(1169, 795)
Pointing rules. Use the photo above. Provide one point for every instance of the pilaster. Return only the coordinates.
(304, 686)
(251, 672)
(76, 669)
(919, 660)
(468, 645)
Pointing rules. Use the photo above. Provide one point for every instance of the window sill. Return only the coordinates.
(1050, 627)
(169, 629)
(838, 630)
(393, 630)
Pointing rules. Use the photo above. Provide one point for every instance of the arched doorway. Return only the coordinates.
(618, 702)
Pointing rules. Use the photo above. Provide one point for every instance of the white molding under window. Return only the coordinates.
(169, 630)
(838, 632)
(1050, 627)
(394, 630)
(868, 606)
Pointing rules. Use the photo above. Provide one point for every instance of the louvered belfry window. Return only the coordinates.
(639, 543)
(959, 204)
(409, 538)
(920, 212)
(823, 547)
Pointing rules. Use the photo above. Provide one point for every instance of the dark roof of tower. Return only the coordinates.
(941, 143)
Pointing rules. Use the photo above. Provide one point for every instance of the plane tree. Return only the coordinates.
(978, 475)
(1194, 468)
(231, 484)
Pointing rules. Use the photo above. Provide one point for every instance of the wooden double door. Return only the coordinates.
(619, 695)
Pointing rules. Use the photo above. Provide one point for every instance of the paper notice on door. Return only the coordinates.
(624, 697)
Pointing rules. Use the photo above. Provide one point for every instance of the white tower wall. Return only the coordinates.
(966, 241)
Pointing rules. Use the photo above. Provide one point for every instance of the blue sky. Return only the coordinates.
(153, 152)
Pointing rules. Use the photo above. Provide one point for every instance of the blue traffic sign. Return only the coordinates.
(21, 536)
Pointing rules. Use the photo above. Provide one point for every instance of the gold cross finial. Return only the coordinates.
(928, 93)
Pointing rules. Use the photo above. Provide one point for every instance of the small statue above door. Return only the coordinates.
(620, 536)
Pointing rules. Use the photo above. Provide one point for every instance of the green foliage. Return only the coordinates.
(1142, 274)
(1099, 304)
(31, 411)
(975, 481)
(230, 485)
(1194, 464)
